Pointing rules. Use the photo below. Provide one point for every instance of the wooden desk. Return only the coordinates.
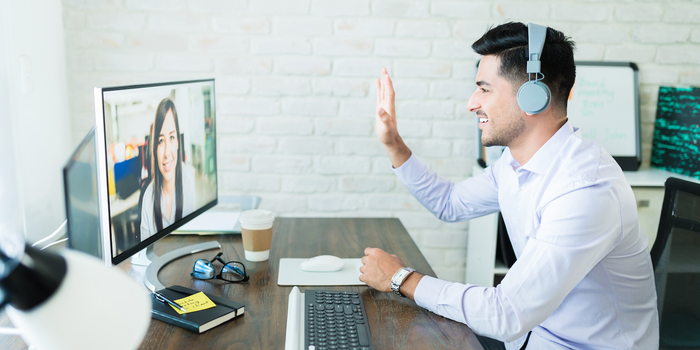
(395, 323)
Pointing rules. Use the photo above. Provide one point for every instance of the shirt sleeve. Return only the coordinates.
(448, 201)
(577, 229)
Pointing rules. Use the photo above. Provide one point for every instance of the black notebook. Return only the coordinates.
(198, 321)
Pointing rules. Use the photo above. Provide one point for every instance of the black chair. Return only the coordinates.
(675, 256)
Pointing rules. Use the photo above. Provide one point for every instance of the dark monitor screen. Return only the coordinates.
(80, 185)
(157, 164)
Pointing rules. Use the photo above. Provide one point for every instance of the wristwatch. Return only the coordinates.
(398, 279)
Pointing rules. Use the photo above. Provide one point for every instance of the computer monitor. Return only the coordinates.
(156, 161)
(80, 185)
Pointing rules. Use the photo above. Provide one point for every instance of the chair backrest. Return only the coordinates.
(681, 210)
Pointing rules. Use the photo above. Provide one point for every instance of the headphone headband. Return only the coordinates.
(535, 36)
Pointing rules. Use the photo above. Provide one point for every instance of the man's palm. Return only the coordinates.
(385, 115)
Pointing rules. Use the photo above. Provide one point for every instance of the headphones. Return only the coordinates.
(534, 96)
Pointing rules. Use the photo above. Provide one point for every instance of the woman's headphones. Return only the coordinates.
(534, 96)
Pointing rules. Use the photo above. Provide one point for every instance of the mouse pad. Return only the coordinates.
(291, 274)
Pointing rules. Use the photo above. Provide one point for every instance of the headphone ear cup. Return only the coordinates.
(534, 97)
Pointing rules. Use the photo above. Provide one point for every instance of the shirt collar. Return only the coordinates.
(543, 158)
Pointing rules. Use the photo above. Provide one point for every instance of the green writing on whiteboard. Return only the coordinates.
(595, 95)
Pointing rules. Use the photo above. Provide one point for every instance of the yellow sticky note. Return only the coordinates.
(194, 302)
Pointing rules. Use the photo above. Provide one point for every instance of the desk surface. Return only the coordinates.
(395, 323)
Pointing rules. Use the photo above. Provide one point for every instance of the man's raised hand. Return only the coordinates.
(385, 122)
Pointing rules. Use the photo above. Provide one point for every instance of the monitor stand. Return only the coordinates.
(154, 262)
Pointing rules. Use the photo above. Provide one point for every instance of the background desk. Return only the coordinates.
(395, 323)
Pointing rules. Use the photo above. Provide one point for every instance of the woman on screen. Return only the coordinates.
(170, 195)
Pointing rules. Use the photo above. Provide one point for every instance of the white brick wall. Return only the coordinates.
(296, 85)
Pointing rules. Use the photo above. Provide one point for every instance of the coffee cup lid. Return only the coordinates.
(256, 216)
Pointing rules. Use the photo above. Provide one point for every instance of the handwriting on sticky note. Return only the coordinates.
(194, 302)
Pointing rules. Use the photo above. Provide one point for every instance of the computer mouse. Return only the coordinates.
(322, 263)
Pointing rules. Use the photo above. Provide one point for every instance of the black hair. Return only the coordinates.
(509, 42)
(163, 107)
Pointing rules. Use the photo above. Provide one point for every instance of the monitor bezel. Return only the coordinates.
(103, 171)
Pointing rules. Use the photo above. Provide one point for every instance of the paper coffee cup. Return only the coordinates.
(256, 229)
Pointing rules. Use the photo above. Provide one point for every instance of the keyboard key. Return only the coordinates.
(362, 336)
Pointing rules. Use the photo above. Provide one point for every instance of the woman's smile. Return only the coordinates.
(167, 165)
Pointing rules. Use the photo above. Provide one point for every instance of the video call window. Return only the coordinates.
(161, 157)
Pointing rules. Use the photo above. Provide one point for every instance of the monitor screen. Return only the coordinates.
(157, 164)
(80, 185)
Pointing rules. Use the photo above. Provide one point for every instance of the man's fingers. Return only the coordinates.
(388, 98)
(387, 85)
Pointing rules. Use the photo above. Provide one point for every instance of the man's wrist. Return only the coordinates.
(398, 152)
(409, 285)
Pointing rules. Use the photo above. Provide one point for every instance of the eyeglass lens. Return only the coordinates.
(233, 271)
(202, 269)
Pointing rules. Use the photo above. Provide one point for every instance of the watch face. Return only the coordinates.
(398, 278)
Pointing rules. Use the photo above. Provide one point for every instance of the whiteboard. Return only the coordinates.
(604, 104)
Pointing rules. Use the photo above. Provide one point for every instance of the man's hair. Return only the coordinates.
(509, 42)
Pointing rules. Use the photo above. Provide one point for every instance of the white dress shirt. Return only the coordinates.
(583, 278)
(148, 223)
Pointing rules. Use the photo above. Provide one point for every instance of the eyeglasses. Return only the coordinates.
(233, 271)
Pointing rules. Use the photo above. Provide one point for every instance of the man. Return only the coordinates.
(583, 277)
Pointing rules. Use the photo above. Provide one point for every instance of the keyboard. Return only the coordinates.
(335, 320)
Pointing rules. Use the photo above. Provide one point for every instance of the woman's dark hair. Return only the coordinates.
(163, 107)
(509, 42)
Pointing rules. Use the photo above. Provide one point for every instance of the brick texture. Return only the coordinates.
(295, 86)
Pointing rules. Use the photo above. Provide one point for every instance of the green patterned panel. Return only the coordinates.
(677, 131)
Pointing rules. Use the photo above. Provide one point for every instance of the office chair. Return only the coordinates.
(675, 257)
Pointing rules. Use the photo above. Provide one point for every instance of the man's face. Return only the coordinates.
(495, 103)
